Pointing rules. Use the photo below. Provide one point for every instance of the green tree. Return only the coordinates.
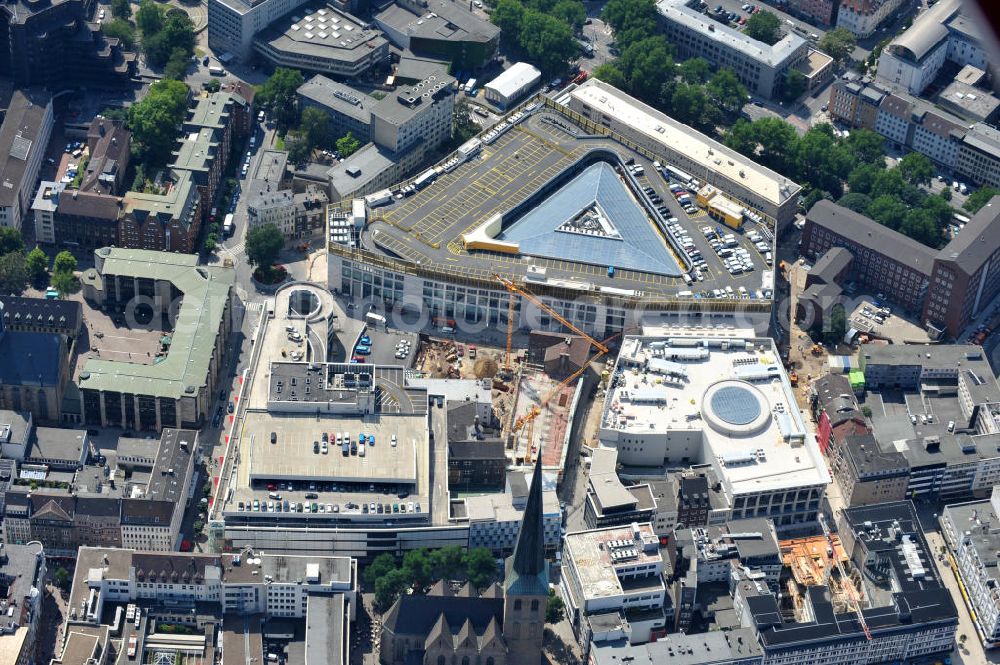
(176, 67)
(837, 326)
(821, 161)
(507, 15)
(867, 147)
(691, 105)
(150, 17)
(418, 566)
(315, 127)
(726, 90)
(448, 563)
(13, 273)
(695, 70)
(742, 137)
(64, 282)
(547, 41)
(211, 242)
(855, 201)
(610, 73)
(297, 147)
(888, 182)
(278, 96)
(920, 225)
(197, 526)
(979, 198)
(647, 63)
(480, 567)
(177, 32)
(632, 20)
(61, 578)
(814, 196)
(862, 178)
(764, 27)
(263, 244)
(916, 169)
(37, 265)
(794, 84)
(212, 85)
(888, 211)
(121, 9)
(570, 12)
(463, 127)
(347, 145)
(120, 29)
(378, 568)
(838, 43)
(555, 611)
(155, 120)
(866, 411)
(388, 587)
(10, 240)
(778, 143)
(65, 262)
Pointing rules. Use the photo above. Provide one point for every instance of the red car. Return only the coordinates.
(186, 546)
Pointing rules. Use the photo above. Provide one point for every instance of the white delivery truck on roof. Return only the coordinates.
(378, 198)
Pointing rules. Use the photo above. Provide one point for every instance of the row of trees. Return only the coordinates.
(828, 166)
(693, 91)
(543, 30)
(18, 269)
(419, 569)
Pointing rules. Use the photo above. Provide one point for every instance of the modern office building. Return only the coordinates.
(731, 406)
(180, 388)
(349, 110)
(943, 33)
(970, 530)
(495, 519)
(233, 24)
(24, 135)
(863, 17)
(979, 155)
(614, 575)
(918, 125)
(761, 67)
(323, 39)
(60, 44)
(707, 160)
(417, 114)
(611, 503)
(440, 29)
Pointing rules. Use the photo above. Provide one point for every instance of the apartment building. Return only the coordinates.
(883, 259)
(866, 473)
(272, 206)
(814, 11)
(614, 575)
(22, 580)
(349, 110)
(979, 155)
(863, 17)
(199, 154)
(168, 222)
(714, 552)
(972, 532)
(943, 33)
(917, 125)
(855, 103)
(761, 67)
(109, 144)
(24, 135)
(138, 503)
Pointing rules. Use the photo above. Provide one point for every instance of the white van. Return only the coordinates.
(685, 294)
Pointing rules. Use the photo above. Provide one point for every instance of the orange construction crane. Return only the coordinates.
(514, 288)
(510, 330)
(850, 591)
(529, 418)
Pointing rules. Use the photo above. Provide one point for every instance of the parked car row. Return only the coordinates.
(285, 506)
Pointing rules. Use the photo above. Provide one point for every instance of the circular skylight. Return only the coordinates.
(735, 405)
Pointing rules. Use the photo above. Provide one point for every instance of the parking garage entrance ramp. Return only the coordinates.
(593, 219)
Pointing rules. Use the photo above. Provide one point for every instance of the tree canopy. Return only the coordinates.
(979, 198)
(916, 169)
(121, 9)
(838, 43)
(278, 96)
(794, 85)
(120, 29)
(542, 30)
(764, 27)
(263, 244)
(156, 118)
(37, 265)
(172, 42)
(10, 240)
(420, 568)
(347, 145)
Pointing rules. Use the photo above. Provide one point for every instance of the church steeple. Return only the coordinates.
(529, 553)
(526, 585)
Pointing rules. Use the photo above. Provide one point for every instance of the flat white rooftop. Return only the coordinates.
(711, 154)
(597, 555)
(733, 392)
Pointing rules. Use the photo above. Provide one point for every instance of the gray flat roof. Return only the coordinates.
(772, 55)
(57, 443)
(19, 136)
(322, 31)
(867, 232)
(441, 21)
(371, 160)
(405, 102)
(325, 618)
(338, 97)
